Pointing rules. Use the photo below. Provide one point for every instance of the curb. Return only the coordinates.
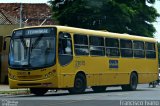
(16, 92)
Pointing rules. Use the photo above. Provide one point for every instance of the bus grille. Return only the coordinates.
(29, 84)
(30, 77)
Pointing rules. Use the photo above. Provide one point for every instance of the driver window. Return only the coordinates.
(65, 48)
(65, 45)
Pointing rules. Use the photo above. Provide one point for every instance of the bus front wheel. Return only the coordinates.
(38, 91)
(133, 83)
(79, 84)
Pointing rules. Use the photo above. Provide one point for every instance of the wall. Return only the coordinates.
(5, 30)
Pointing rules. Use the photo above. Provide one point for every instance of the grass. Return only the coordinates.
(15, 92)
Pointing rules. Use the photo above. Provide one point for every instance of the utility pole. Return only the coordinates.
(20, 17)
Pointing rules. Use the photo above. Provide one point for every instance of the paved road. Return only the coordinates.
(113, 96)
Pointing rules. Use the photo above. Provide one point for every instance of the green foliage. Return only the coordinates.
(122, 16)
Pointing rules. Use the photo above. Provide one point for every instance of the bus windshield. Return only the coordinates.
(32, 48)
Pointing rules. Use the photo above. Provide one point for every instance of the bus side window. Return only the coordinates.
(112, 47)
(150, 50)
(126, 48)
(96, 46)
(65, 48)
(138, 47)
(81, 44)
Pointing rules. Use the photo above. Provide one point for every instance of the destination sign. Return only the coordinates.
(19, 33)
(33, 31)
(37, 31)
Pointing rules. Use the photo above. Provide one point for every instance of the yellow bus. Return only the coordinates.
(60, 57)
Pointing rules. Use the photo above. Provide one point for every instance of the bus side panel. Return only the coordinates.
(148, 71)
(66, 75)
(145, 68)
(98, 72)
(107, 73)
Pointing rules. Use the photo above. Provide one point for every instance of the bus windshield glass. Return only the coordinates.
(32, 48)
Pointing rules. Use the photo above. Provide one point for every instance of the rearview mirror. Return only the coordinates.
(4, 45)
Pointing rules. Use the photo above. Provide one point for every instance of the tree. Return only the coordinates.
(121, 16)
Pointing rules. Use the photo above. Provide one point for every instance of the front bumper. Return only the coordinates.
(44, 83)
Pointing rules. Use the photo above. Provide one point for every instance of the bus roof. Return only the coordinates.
(95, 33)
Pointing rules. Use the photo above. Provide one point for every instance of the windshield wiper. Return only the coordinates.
(37, 41)
(23, 42)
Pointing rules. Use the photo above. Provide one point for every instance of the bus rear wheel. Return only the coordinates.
(99, 88)
(38, 91)
(79, 84)
(132, 86)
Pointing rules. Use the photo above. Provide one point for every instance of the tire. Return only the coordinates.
(99, 88)
(154, 84)
(132, 86)
(125, 87)
(38, 91)
(79, 85)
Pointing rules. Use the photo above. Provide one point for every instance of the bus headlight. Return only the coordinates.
(46, 75)
(11, 76)
(49, 74)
